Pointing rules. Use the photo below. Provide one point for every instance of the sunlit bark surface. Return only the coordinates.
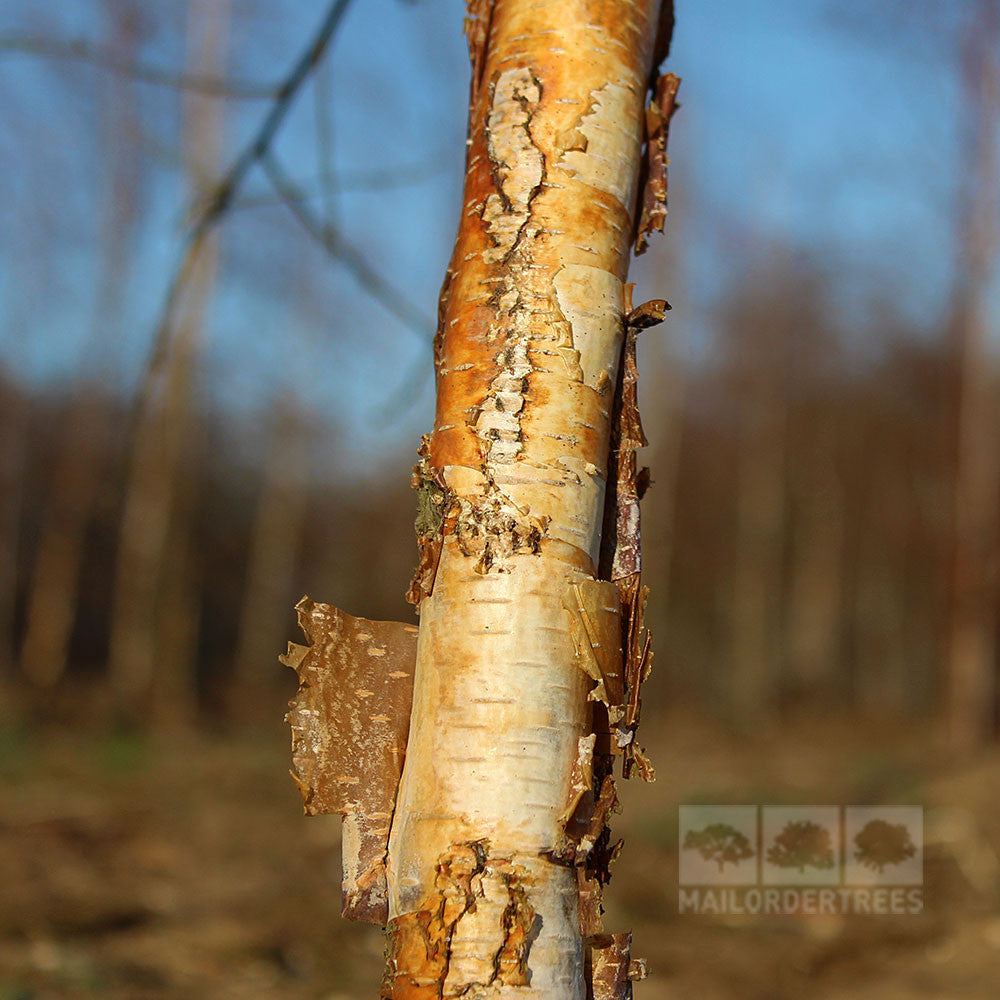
(516, 468)
(476, 823)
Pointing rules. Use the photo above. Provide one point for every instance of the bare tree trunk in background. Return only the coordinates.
(175, 687)
(815, 590)
(881, 668)
(760, 518)
(165, 423)
(13, 451)
(971, 663)
(274, 547)
(526, 669)
(79, 468)
(666, 412)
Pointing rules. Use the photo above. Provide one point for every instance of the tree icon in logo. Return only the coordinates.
(881, 843)
(721, 843)
(802, 844)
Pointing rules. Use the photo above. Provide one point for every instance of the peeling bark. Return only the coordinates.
(612, 969)
(531, 648)
(349, 724)
(654, 191)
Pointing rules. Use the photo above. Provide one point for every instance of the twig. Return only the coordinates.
(324, 143)
(347, 181)
(334, 243)
(105, 58)
(261, 142)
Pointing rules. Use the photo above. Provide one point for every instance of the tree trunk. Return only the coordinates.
(815, 591)
(531, 648)
(164, 424)
(760, 521)
(971, 656)
(527, 359)
(82, 455)
(274, 551)
(13, 449)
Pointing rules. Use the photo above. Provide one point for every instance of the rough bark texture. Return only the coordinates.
(531, 647)
(515, 629)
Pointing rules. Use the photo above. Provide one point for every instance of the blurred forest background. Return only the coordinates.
(225, 225)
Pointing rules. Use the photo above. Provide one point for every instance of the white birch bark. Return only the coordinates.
(527, 360)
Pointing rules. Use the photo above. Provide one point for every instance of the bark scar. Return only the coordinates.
(474, 930)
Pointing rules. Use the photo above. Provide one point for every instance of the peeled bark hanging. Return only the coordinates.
(531, 650)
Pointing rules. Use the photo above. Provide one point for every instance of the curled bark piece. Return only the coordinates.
(648, 314)
(349, 723)
(589, 891)
(654, 188)
(596, 631)
(621, 543)
(611, 968)
(581, 778)
(620, 551)
(637, 666)
(477, 30)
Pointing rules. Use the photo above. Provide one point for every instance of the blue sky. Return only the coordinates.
(798, 128)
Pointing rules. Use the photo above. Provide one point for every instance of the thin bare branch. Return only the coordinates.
(349, 181)
(105, 58)
(259, 145)
(322, 103)
(219, 199)
(347, 254)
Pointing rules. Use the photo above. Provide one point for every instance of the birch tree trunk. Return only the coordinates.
(14, 409)
(527, 358)
(971, 653)
(274, 550)
(760, 518)
(80, 462)
(815, 590)
(531, 648)
(164, 426)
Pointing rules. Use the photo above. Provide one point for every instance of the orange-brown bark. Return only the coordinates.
(519, 665)
(531, 648)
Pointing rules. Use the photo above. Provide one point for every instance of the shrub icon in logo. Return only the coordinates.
(880, 843)
(802, 844)
(720, 843)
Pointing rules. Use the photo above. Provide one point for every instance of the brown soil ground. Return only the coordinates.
(183, 867)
